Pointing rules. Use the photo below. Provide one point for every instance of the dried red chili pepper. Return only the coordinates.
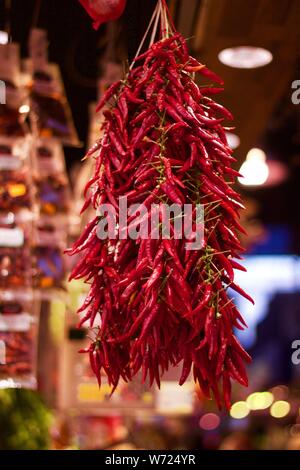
(160, 303)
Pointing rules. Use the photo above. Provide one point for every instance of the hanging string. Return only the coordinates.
(36, 13)
(161, 14)
(7, 8)
(145, 35)
(170, 19)
(164, 20)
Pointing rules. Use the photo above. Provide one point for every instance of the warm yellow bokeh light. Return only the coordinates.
(239, 410)
(260, 400)
(255, 170)
(280, 409)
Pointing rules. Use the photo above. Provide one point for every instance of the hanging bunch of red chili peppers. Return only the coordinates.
(160, 304)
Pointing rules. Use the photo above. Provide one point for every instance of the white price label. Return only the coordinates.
(9, 162)
(173, 399)
(20, 322)
(11, 237)
(2, 352)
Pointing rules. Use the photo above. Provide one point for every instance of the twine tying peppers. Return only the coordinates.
(160, 304)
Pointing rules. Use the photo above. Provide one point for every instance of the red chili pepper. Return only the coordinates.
(225, 263)
(235, 373)
(141, 116)
(212, 75)
(239, 348)
(148, 324)
(209, 321)
(178, 280)
(174, 301)
(236, 265)
(171, 251)
(113, 89)
(203, 303)
(92, 354)
(219, 108)
(239, 290)
(186, 369)
(170, 190)
(132, 97)
(160, 303)
(221, 355)
(155, 276)
(117, 144)
(231, 171)
(227, 390)
(210, 90)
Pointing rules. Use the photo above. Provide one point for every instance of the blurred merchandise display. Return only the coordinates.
(50, 112)
(16, 188)
(52, 193)
(18, 357)
(49, 267)
(52, 226)
(48, 157)
(15, 251)
(19, 315)
(15, 191)
(34, 203)
(12, 122)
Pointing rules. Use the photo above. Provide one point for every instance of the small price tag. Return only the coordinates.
(11, 237)
(173, 399)
(21, 322)
(9, 162)
(2, 352)
(90, 392)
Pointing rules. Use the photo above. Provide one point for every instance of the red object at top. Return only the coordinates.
(103, 11)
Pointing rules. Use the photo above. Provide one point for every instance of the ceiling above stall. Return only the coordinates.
(251, 94)
(258, 97)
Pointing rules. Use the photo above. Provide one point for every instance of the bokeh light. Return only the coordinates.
(260, 400)
(233, 140)
(255, 170)
(245, 57)
(280, 409)
(239, 410)
(209, 421)
(24, 109)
